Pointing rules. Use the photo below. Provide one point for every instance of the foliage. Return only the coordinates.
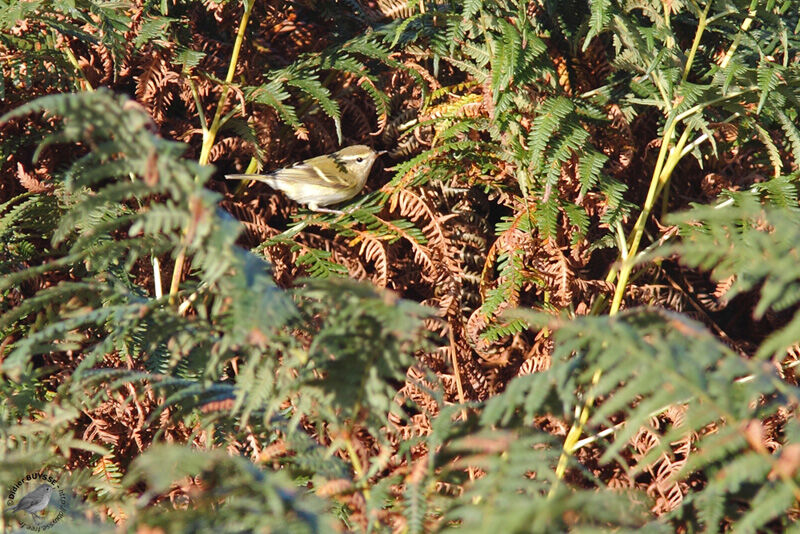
(443, 354)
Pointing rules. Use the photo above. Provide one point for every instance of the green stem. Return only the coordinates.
(665, 165)
(638, 229)
(84, 82)
(702, 105)
(628, 261)
(209, 136)
(351, 452)
(198, 104)
(357, 467)
(751, 13)
(701, 26)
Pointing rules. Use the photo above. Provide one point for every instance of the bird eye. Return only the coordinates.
(359, 160)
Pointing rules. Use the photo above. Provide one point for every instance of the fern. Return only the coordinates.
(237, 395)
(701, 382)
(322, 96)
(273, 94)
(727, 233)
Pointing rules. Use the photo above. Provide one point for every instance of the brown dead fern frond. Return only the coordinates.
(374, 251)
(395, 9)
(29, 180)
(356, 117)
(156, 86)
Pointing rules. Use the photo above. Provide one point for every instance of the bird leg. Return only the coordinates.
(314, 207)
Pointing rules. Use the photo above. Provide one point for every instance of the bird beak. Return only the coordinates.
(382, 152)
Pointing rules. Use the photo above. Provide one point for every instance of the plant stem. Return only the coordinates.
(357, 467)
(459, 388)
(209, 136)
(656, 183)
(198, 104)
(628, 261)
(751, 13)
(157, 278)
(84, 82)
(665, 165)
(701, 26)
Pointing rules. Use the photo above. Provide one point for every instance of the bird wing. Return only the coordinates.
(304, 173)
(26, 502)
(301, 173)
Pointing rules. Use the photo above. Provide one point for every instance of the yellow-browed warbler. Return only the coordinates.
(322, 180)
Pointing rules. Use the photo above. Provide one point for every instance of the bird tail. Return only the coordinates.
(266, 178)
(244, 176)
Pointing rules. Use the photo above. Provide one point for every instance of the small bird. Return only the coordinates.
(35, 501)
(322, 180)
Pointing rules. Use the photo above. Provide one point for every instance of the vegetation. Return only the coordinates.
(566, 301)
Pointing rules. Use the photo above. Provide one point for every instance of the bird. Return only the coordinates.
(322, 180)
(35, 501)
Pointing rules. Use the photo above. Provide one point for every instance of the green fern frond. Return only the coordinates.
(274, 95)
(322, 96)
